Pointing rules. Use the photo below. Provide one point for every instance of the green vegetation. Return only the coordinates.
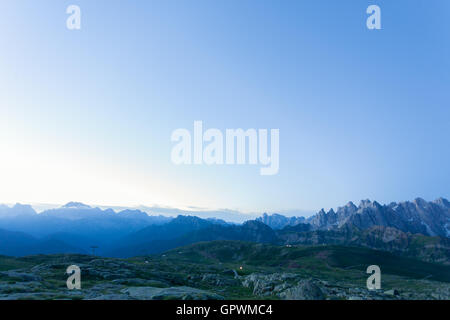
(305, 259)
(229, 269)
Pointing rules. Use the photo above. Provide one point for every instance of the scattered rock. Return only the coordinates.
(217, 280)
(392, 292)
(172, 293)
(21, 276)
(305, 290)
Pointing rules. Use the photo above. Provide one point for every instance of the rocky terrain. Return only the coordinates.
(419, 216)
(278, 221)
(418, 246)
(227, 270)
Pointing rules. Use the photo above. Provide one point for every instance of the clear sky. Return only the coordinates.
(87, 115)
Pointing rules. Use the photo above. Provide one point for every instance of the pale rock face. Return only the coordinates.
(443, 203)
(305, 290)
(277, 221)
(418, 216)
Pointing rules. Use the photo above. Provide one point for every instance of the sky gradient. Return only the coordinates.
(87, 115)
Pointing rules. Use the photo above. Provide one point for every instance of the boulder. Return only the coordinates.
(392, 292)
(172, 293)
(304, 290)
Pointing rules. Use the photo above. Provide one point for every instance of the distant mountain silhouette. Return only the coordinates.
(278, 221)
(417, 229)
(21, 244)
(183, 231)
(18, 210)
(76, 224)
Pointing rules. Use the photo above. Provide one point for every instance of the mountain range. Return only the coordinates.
(417, 229)
(78, 225)
(419, 216)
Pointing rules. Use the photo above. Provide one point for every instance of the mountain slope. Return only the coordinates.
(22, 244)
(426, 248)
(77, 224)
(253, 231)
(418, 216)
(304, 257)
(278, 221)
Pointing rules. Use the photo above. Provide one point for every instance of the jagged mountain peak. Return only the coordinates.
(76, 205)
(24, 208)
(419, 202)
(348, 209)
(351, 205)
(365, 204)
(278, 221)
(417, 216)
(368, 204)
(254, 224)
(181, 218)
(16, 210)
(442, 202)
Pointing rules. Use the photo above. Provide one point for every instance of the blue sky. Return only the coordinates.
(87, 115)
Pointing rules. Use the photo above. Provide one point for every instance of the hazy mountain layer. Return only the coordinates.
(416, 229)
